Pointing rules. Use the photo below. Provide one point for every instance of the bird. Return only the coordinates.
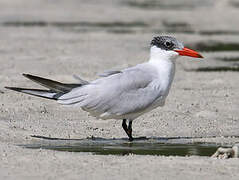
(120, 94)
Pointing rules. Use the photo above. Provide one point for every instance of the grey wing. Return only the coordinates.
(121, 93)
(135, 101)
(109, 73)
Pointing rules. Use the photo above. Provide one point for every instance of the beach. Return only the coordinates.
(60, 39)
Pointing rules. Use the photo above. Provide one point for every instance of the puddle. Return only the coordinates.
(184, 27)
(121, 31)
(215, 46)
(158, 5)
(218, 32)
(124, 147)
(188, 30)
(116, 27)
(83, 27)
(216, 69)
(168, 5)
(228, 59)
(74, 24)
(173, 31)
(25, 24)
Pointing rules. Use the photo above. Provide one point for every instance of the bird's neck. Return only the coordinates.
(163, 60)
(165, 68)
(164, 63)
(157, 54)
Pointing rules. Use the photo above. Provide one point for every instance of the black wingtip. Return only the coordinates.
(26, 75)
(13, 88)
(6, 87)
(34, 78)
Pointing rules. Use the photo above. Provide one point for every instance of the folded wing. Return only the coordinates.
(122, 92)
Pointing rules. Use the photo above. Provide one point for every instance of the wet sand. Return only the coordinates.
(58, 40)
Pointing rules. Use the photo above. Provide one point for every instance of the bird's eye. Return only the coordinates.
(168, 44)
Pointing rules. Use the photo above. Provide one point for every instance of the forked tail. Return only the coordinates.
(55, 89)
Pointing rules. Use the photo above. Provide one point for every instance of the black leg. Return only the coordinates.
(128, 129)
(124, 125)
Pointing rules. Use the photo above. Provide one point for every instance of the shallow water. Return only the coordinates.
(215, 46)
(74, 24)
(168, 5)
(124, 147)
(228, 59)
(220, 68)
(116, 27)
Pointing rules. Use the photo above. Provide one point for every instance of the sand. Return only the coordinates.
(60, 39)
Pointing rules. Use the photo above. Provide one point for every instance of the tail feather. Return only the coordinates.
(49, 94)
(52, 85)
(55, 89)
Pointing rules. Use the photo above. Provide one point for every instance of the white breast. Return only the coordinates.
(164, 62)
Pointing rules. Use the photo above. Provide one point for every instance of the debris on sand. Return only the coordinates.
(226, 153)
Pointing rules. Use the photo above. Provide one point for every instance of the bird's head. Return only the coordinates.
(169, 48)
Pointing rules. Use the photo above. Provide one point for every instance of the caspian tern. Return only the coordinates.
(124, 94)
